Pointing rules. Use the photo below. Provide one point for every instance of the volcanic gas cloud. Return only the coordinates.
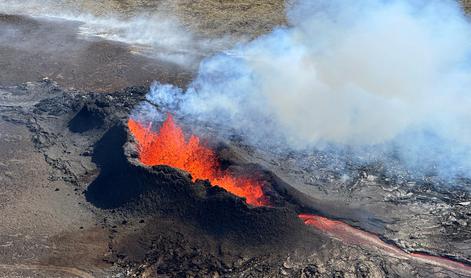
(168, 146)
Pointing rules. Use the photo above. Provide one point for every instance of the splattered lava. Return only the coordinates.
(168, 146)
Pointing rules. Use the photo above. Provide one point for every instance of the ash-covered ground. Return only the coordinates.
(76, 202)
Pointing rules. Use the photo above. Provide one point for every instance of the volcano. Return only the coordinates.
(308, 138)
(168, 146)
(163, 212)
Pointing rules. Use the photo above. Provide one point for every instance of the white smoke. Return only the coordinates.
(157, 34)
(391, 74)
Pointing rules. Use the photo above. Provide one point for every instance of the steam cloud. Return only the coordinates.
(387, 77)
(158, 34)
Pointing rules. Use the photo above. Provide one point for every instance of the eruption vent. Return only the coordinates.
(168, 146)
(384, 80)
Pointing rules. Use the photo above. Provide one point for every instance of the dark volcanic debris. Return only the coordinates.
(159, 223)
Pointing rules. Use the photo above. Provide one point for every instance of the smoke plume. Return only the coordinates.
(157, 33)
(378, 76)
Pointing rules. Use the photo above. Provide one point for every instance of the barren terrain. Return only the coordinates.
(76, 202)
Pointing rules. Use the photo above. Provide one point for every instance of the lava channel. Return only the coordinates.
(168, 146)
(351, 235)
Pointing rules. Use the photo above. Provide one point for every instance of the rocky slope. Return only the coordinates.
(154, 221)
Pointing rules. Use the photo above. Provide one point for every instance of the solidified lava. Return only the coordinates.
(168, 146)
(351, 235)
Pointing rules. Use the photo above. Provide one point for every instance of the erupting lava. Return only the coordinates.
(168, 146)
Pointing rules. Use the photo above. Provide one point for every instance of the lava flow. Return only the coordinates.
(351, 235)
(168, 146)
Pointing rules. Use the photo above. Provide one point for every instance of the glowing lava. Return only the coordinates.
(168, 146)
(351, 235)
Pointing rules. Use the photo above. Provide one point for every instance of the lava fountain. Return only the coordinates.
(168, 146)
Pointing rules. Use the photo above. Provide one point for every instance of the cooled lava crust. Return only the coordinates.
(161, 222)
(126, 184)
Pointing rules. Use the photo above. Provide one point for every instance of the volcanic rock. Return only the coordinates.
(176, 226)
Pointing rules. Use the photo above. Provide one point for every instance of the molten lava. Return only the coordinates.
(168, 146)
(351, 235)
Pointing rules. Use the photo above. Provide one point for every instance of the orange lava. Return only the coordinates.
(168, 146)
(351, 235)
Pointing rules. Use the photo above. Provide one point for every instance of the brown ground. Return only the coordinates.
(33, 49)
(47, 229)
(240, 17)
(212, 17)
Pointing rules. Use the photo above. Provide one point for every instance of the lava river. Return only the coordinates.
(168, 146)
(351, 235)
